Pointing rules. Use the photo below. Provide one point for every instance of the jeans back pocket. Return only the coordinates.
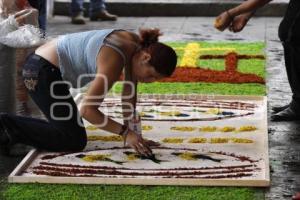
(30, 75)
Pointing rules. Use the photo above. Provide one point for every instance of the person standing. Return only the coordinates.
(236, 19)
(97, 11)
(40, 5)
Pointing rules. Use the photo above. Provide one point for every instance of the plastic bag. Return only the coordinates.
(8, 25)
(26, 36)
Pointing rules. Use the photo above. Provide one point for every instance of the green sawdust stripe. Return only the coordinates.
(198, 88)
(252, 66)
(122, 192)
(251, 48)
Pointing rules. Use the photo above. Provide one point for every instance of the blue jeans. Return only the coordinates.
(41, 6)
(62, 131)
(95, 6)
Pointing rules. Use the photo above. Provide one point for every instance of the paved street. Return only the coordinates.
(173, 7)
(284, 137)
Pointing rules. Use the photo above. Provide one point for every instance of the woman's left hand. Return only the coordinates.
(223, 21)
(151, 143)
(136, 142)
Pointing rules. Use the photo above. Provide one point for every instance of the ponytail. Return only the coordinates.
(149, 36)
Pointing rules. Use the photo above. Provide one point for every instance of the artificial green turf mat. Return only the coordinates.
(93, 192)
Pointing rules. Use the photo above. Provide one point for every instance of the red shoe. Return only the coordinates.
(296, 197)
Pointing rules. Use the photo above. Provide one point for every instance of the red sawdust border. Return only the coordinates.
(188, 74)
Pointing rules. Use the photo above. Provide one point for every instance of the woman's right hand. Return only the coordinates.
(239, 22)
(136, 142)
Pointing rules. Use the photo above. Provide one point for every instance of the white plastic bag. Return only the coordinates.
(25, 36)
(8, 25)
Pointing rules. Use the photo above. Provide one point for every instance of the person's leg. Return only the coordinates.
(288, 31)
(77, 12)
(43, 15)
(96, 6)
(76, 7)
(98, 11)
(292, 44)
(283, 35)
(61, 132)
(40, 5)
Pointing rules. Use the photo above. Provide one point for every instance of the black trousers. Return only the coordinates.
(63, 131)
(289, 34)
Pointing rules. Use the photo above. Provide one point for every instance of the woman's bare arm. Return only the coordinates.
(129, 95)
(108, 72)
(236, 18)
(247, 7)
